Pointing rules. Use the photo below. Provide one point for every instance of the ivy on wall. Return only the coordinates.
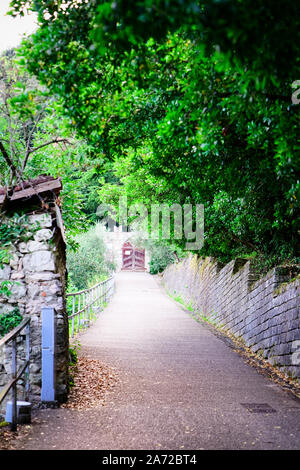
(9, 320)
(13, 230)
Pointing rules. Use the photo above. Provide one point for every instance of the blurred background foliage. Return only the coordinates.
(90, 263)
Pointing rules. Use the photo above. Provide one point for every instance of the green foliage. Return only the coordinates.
(88, 264)
(178, 298)
(73, 360)
(13, 230)
(73, 355)
(5, 287)
(4, 256)
(3, 424)
(24, 107)
(113, 28)
(161, 255)
(194, 110)
(37, 140)
(9, 321)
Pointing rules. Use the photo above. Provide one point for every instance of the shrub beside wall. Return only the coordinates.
(264, 313)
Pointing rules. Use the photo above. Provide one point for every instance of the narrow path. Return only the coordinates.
(181, 387)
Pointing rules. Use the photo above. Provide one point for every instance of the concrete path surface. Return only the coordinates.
(181, 387)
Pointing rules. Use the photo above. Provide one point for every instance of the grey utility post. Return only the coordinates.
(48, 356)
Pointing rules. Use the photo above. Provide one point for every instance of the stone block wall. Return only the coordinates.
(37, 270)
(264, 313)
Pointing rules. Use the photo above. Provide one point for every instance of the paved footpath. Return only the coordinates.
(181, 387)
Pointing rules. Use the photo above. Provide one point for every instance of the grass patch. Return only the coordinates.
(3, 424)
(180, 300)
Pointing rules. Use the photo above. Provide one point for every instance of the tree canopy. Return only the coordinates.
(190, 102)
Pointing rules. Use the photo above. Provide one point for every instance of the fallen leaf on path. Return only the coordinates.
(92, 380)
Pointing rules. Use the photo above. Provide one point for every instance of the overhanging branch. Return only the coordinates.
(8, 160)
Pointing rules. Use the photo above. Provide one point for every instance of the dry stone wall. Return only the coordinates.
(38, 274)
(264, 313)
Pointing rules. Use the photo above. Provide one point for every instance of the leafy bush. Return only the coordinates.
(13, 229)
(5, 287)
(8, 321)
(73, 354)
(161, 256)
(88, 264)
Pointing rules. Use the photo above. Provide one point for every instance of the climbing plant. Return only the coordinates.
(13, 230)
(89, 264)
(9, 320)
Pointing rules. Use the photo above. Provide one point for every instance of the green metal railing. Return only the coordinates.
(87, 303)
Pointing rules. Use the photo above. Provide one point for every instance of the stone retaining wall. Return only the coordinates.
(264, 313)
(37, 269)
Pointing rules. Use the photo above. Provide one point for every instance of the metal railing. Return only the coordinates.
(16, 374)
(88, 302)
